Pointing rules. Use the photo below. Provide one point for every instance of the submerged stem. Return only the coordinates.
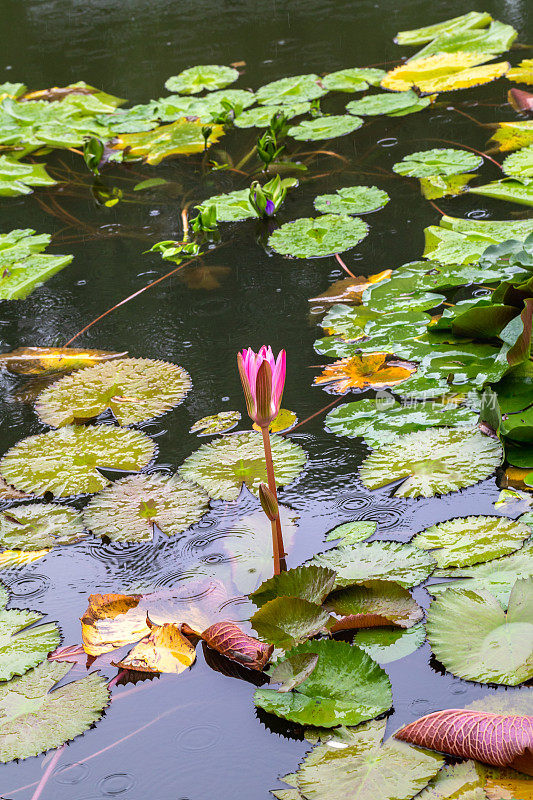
(277, 535)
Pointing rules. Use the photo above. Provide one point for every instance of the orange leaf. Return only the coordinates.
(349, 290)
(370, 371)
(508, 787)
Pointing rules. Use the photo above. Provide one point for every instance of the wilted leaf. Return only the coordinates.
(373, 604)
(445, 162)
(23, 265)
(390, 644)
(18, 178)
(475, 639)
(182, 137)
(523, 73)
(372, 371)
(47, 360)
(469, 21)
(319, 237)
(395, 105)
(228, 638)
(195, 79)
(326, 127)
(507, 785)
(67, 461)
(291, 672)
(346, 687)
(432, 462)
(216, 423)
(261, 116)
(306, 582)
(165, 649)
(127, 510)
(39, 526)
(356, 79)
(289, 91)
(222, 466)
(513, 190)
(352, 200)
(504, 741)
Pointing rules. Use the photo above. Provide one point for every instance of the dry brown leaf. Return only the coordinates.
(44, 360)
(369, 371)
(165, 649)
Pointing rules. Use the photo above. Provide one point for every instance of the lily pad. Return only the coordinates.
(48, 360)
(39, 526)
(457, 241)
(433, 462)
(67, 461)
(444, 72)
(165, 649)
(513, 135)
(195, 79)
(346, 687)
(289, 91)
(22, 647)
(390, 644)
(373, 604)
(515, 191)
(351, 532)
(352, 200)
(35, 719)
(381, 423)
(127, 510)
(523, 73)
(469, 21)
(223, 466)
(438, 161)
(318, 237)
(134, 389)
(307, 583)
(462, 781)
(183, 137)
(261, 116)
(376, 561)
(19, 177)
(464, 541)
(287, 621)
(519, 164)
(393, 104)
(23, 265)
(356, 79)
(216, 423)
(231, 207)
(372, 371)
(327, 127)
(475, 639)
(436, 186)
(495, 39)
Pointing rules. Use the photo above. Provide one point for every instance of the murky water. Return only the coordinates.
(198, 736)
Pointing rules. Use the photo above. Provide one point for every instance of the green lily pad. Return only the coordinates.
(292, 672)
(351, 532)
(439, 161)
(356, 79)
(39, 526)
(67, 461)
(464, 541)
(352, 200)
(195, 79)
(497, 38)
(392, 103)
(514, 190)
(352, 322)
(475, 639)
(17, 178)
(319, 237)
(175, 106)
(287, 621)
(345, 688)
(519, 164)
(216, 423)
(367, 769)
(433, 462)
(386, 600)
(183, 137)
(436, 186)
(289, 91)
(23, 265)
(463, 241)
(134, 389)
(381, 423)
(22, 647)
(327, 127)
(466, 22)
(35, 719)
(307, 583)
(463, 781)
(261, 116)
(127, 510)
(223, 466)
(231, 207)
(383, 561)
(390, 644)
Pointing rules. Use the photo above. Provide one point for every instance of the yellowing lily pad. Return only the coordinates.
(372, 371)
(523, 73)
(469, 21)
(513, 135)
(134, 389)
(182, 137)
(47, 360)
(165, 649)
(497, 38)
(195, 79)
(443, 72)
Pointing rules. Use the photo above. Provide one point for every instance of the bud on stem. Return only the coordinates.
(269, 502)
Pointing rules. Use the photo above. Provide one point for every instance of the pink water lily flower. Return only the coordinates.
(263, 380)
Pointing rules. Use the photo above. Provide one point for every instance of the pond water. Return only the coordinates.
(198, 735)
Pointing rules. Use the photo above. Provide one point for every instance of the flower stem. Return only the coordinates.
(277, 536)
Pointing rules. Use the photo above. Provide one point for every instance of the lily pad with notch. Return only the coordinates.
(394, 104)
(206, 76)
(326, 127)
(288, 91)
(390, 644)
(318, 237)
(356, 79)
(439, 161)
(216, 423)
(352, 200)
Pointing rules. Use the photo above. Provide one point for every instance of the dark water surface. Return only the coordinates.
(200, 736)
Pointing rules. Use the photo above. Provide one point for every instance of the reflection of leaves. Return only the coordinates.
(182, 137)
(165, 649)
(374, 370)
(46, 360)
(316, 238)
(195, 79)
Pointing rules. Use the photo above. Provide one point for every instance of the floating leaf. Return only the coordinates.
(67, 461)
(182, 137)
(520, 163)
(291, 672)
(438, 161)
(515, 191)
(475, 639)
(390, 644)
(261, 116)
(352, 200)
(380, 422)
(376, 561)
(307, 582)
(396, 105)
(432, 462)
(523, 73)
(231, 207)
(216, 423)
(491, 738)
(444, 72)
(495, 39)
(35, 719)
(289, 91)
(354, 323)
(165, 649)
(287, 621)
(18, 178)
(227, 638)
(373, 604)
(195, 79)
(7, 492)
(462, 781)
(462, 241)
(351, 532)
(326, 127)
(47, 360)
(315, 238)
(436, 186)
(23, 265)
(346, 687)
(134, 389)
(39, 526)
(366, 769)
(374, 371)
(127, 510)
(513, 135)
(463, 541)
(469, 21)
(282, 422)
(222, 466)
(356, 79)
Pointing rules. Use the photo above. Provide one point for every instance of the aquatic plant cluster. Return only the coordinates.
(447, 403)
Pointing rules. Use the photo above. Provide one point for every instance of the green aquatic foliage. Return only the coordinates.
(309, 583)
(326, 127)
(351, 532)
(465, 22)
(261, 116)
(318, 237)
(439, 161)
(390, 644)
(183, 137)
(353, 322)
(231, 207)
(356, 79)
(495, 39)
(394, 104)
(436, 186)
(476, 639)
(517, 190)
(39, 526)
(23, 264)
(20, 177)
(464, 241)
(352, 200)
(288, 91)
(128, 510)
(48, 718)
(288, 621)
(519, 164)
(345, 688)
(224, 465)
(195, 79)
(68, 461)
(373, 603)
(216, 423)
